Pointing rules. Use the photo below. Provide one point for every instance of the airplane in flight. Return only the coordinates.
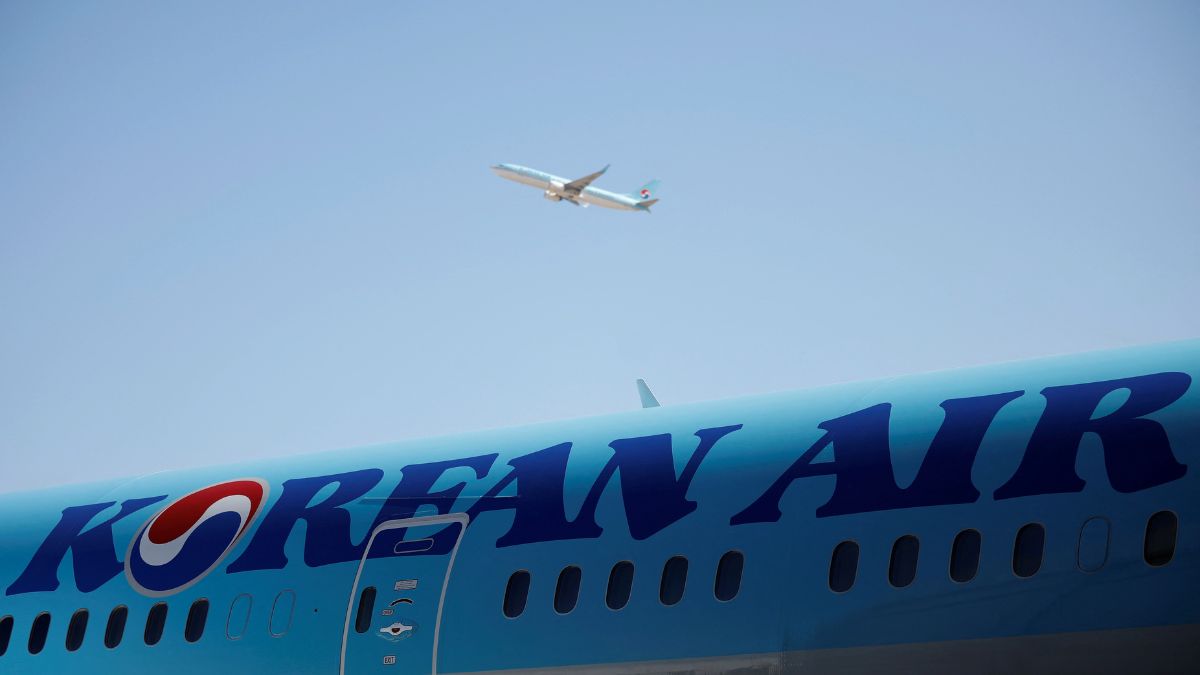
(1032, 517)
(580, 191)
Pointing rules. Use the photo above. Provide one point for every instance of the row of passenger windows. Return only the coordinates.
(156, 620)
(1157, 549)
(726, 584)
(1028, 547)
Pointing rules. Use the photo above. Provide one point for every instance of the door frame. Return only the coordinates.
(460, 518)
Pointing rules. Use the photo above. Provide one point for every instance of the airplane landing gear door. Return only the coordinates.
(395, 608)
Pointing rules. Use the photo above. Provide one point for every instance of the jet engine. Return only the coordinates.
(555, 191)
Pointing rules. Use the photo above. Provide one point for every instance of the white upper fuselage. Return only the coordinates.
(552, 184)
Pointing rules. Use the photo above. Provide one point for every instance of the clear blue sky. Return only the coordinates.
(240, 232)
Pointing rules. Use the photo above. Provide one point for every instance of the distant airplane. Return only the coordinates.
(579, 192)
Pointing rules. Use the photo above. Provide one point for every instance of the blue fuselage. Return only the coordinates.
(1036, 516)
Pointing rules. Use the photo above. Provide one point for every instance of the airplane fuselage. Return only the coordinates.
(1028, 517)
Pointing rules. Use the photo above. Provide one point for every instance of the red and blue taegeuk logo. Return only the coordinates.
(184, 541)
(645, 193)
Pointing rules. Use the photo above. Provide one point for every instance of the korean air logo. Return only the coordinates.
(645, 193)
(188, 538)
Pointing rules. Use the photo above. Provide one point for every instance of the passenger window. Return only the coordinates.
(366, 609)
(516, 594)
(37, 633)
(196, 618)
(115, 630)
(843, 566)
(903, 567)
(964, 556)
(620, 584)
(1159, 545)
(155, 620)
(674, 578)
(239, 617)
(281, 612)
(566, 593)
(6, 625)
(729, 576)
(1093, 545)
(76, 629)
(1028, 549)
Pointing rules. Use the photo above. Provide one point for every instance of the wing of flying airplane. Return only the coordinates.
(576, 186)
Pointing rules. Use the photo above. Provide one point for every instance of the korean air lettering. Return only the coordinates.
(1137, 451)
(95, 554)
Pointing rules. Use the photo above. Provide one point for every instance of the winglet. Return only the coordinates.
(648, 400)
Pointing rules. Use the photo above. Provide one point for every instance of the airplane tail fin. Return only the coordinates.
(647, 396)
(647, 191)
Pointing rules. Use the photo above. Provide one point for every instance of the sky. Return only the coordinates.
(233, 231)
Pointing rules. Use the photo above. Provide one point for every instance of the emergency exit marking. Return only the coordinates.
(389, 660)
(388, 612)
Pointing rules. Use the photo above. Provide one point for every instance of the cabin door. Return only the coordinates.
(395, 608)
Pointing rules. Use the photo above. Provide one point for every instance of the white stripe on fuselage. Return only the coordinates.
(590, 195)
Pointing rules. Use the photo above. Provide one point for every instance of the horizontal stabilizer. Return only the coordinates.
(645, 206)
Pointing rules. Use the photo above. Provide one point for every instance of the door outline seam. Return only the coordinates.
(399, 523)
